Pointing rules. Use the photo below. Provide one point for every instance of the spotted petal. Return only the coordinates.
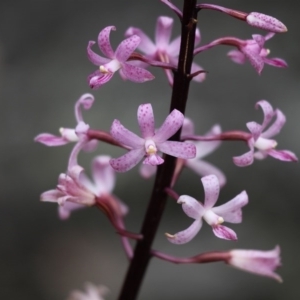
(276, 126)
(267, 111)
(125, 136)
(186, 235)
(146, 120)
(104, 42)
(193, 208)
(170, 126)
(184, 150)
(136, 74)
(126, 47)
(96, 59)
(224, 232)
(128, 160)
(244, 160)
(211, 190)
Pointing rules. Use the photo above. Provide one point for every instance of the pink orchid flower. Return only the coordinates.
(69, 135)
(214, 216)
(254, 51)
(162, 49)
(151, 142)
(261, 138)
(197, 164)
(75, 190)
(115, 60)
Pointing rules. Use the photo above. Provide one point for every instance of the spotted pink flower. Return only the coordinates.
(115, 60)
(197, 164)
(151, 141)
(214, 216)
(261, 138)
(254, 51)
(163, 49)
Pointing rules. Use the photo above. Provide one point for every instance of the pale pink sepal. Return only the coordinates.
(183, 150)
(231, 211)
(186, 235)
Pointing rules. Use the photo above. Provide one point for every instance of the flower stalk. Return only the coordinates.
(142, 253)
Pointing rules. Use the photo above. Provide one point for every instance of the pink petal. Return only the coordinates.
(192, 208)
(200, 77)
(276, 62)
(170, 126)
(104, 42)
(231, 211)
(174, 48)
(267, 111)
(51, 195)
(125, 136)
(211, 190)
(163, 32)
(153, 160)
(237, 56)
(269, 35)
(128, 160)
(97, 79)
(146, 120)
(283, 155)
(86, 101)
(126, 47)
(64, 211)
(184, 150)
(188, 127)
(136, 74)
(244, 160)
(256, 61)
(50, 140)
(203, 168)
(146, 45)
(255, 129)
(224, 232)
(186, 235)
(259, 39)
(197, 37)
(276, 126)
(95, 58)
(147, 171)
(103, 174)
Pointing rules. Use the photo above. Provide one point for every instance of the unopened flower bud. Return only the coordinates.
(265, 22)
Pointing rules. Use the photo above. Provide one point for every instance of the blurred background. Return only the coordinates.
(43, 70)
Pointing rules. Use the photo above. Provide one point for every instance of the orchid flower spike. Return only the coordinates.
(151, 142)
(115, 60)
(197, 164)
(69, 135)
(262, 263)
(93, 292)
(162, 49)
(75, 190)
(260, 138)
(254, 51)
(214, 216)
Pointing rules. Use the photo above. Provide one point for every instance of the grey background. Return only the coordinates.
(43, 70)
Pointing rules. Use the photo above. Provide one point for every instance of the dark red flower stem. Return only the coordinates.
(202, 258)
(142, 253)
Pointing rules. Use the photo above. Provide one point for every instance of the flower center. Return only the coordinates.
(150, 147)
(265, 144)
(212, 219)
(111, 67)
